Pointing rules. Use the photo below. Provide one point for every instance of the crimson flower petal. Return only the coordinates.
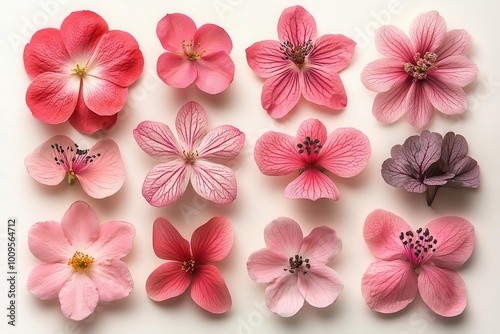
(283, 236)
(191, 123)
(427, 32)
(277, 154)
(312, 184)
(157, 140)
(168, 243)
(78, 297)
(313, 129)
(265, 265)
(283, 296)
(167, 281)
(165, 183)
(209, 291)
(174, 29)
(176, 70)
(332, 51)
(80, 225)
(212, 241)
(324, 87)
(48, 243)
(266, 59)
(281, 93)
(215, 72)
(47, 279)
(392, 42)
(86, 121)
(102, 96)
(383, 75)
(221, 143)
(322, 245)
(214, 182)
(212, 39)
(114, 241)
(321, 286)
(112, 279)
(296, 25)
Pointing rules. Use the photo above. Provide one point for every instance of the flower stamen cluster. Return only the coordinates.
(309, 146)
(191, 51)
(73, 160)
(420, 248)
(81, 262)
(298, 52)
(188, 266)
(297, 265)
(422, 65)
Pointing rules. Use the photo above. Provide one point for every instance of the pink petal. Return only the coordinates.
(209, 290)
(442, 290)
(221, 143)
(313, 129)
(105, 175)
(321, 286)
(103, 97)
(427, 32)
(281, 93)
(168, 243)
(296, 25)
(312, 184)
(265, 265)
(78, 297)
(283, 296)
(383, 75)
(174, 29)
(277, 154)
(212, 38)
(324, 88)
(283, 236)
(215, 72)
(457, 42)
(389, 106)
(48, 243)
(115, 241)
(165, 183)
(176, 70)
(86, 121)
(345, 153)
(455, 70)
(46, 280)
(389, 286)
(447, 98)
(393, 43)
(214, 182)
(420, 109)
(455, 237)
(52, 97)
(321, 246)
(167, 281)
(191, 124)
(112, 279)
(80, 225)
(266, 59)
(332, 51)
(157, 140)
(381, 232)
(212, 241)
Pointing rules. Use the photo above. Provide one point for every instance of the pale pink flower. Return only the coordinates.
(191, 264)
(98, 169)
(295, 267)
(194, 157)
(419, 74)
(81, 72)
(344, 152)
(81, 258)
(299, 64)
(422, 260)
(199, 55)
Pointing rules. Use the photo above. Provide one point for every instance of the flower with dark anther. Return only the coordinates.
(409, 261)
(297, 265)
(81, 262)
(419, 69)
(73, 160)
(298, 52)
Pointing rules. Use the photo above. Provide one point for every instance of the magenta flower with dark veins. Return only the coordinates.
(427, 162)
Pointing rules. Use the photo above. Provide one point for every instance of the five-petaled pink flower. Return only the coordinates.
(81, 72)
(419, 74)
(199, 55)
(82, 263)
(299, 64)
(422, 260)
(344, 152)
(191, 264)
(295, 267)
(98, 169)
(194, 157)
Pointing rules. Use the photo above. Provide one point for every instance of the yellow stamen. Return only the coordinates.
(188, 266)
(79, 70)
(81, 262)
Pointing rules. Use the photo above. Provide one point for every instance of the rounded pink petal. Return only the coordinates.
(455, 70)
(157, 140)
(209, 291)
(277, 154)
(86, 121)
(265, 265)
(78, 297)
(283, 236)
(112, 279)
(266, 59)
(419, 109)
(211, 38)
(221, 143)
(48, 243)
(175, 29)
(281, 93)
(167, 281)
(212, 241)
(214, 182)
(332, 51)
(321, 286)
(296, 25)
(449, 99)
(102, 96)
(321, 246)
(312, 184)
(383, 75)
(442, 290)
(393, 43)
(312, 128)
(215, 72)
(191, 124)
(427, 32)
(283, 296)
(176, 70)
(80, 225)
(345, 153)
(165, 183)
(457, 42)
(381, 232)
(389, 106)
(115, 241)
(389, 286)
(47, 279)
(168, 243)
(324, 88)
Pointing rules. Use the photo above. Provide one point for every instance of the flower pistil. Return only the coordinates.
(81, 262)
(309, 146)
(298, 52)
(191, 51)
(422, 65)
(418, 248)
(297, 265)
(73, 160)
(188, 266)
(79, 70)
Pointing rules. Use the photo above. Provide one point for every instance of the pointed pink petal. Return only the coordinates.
(176, 70)
(442, 290)
(283, 296)
(78, 297)
(393, 43)
(168, 243)
(321, 245)
(48, 243)
(277, 154)
(174, 29)
(389, 286)
(211, 39)
(420, 109)
(457, 42)
(167, 281)
(281, 93)
(283, 236)
(427, 32)
(103, 97)
(165, 183)
(52, 97)
(296, 25)
(112, 279)
(212, 241)
(215, 72)
(447, 98)
(381, 232)
(313, 129)
(455, 241)
(214, 182)
(389, 106)
(221, 143)
(266, 59)
(47, 279)
(321, 286)
(324, 88)
(456, 70)
(312, 184)
(114, 241)
(332, 51)
(80, 225)
(345, 153)
(265, 265)
(383, 75)
(86, 121)
(209, 291)
(191, 124)
(105, 175)
(157, 140)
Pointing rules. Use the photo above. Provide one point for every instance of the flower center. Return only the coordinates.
(418, 248)
(72, 159)
(298, 265)
(188, 266)
(298, 52)
(79, 70)
(422, 65)
(81, 262)
(309, 146)
(191, 51)
(190, 157)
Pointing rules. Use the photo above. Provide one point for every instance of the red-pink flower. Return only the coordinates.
(98, 169)
(195, 157)
(344, 152)
(295, 267)
(419, 74)
(81, 72)
(81, 258)
(299, 64)
(191, 264)
(422, 260)
(199, 55)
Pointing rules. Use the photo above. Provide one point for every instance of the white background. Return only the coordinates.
(260, 198)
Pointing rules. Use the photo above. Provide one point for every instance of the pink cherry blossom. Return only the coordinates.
(421, 73)
(191, 264)
(81, 258)
(344, 152)
(199, 55)
(81, 72)
(422, 260)
(98, 169)
(195, 157)
(295, 267)
(299, 64)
